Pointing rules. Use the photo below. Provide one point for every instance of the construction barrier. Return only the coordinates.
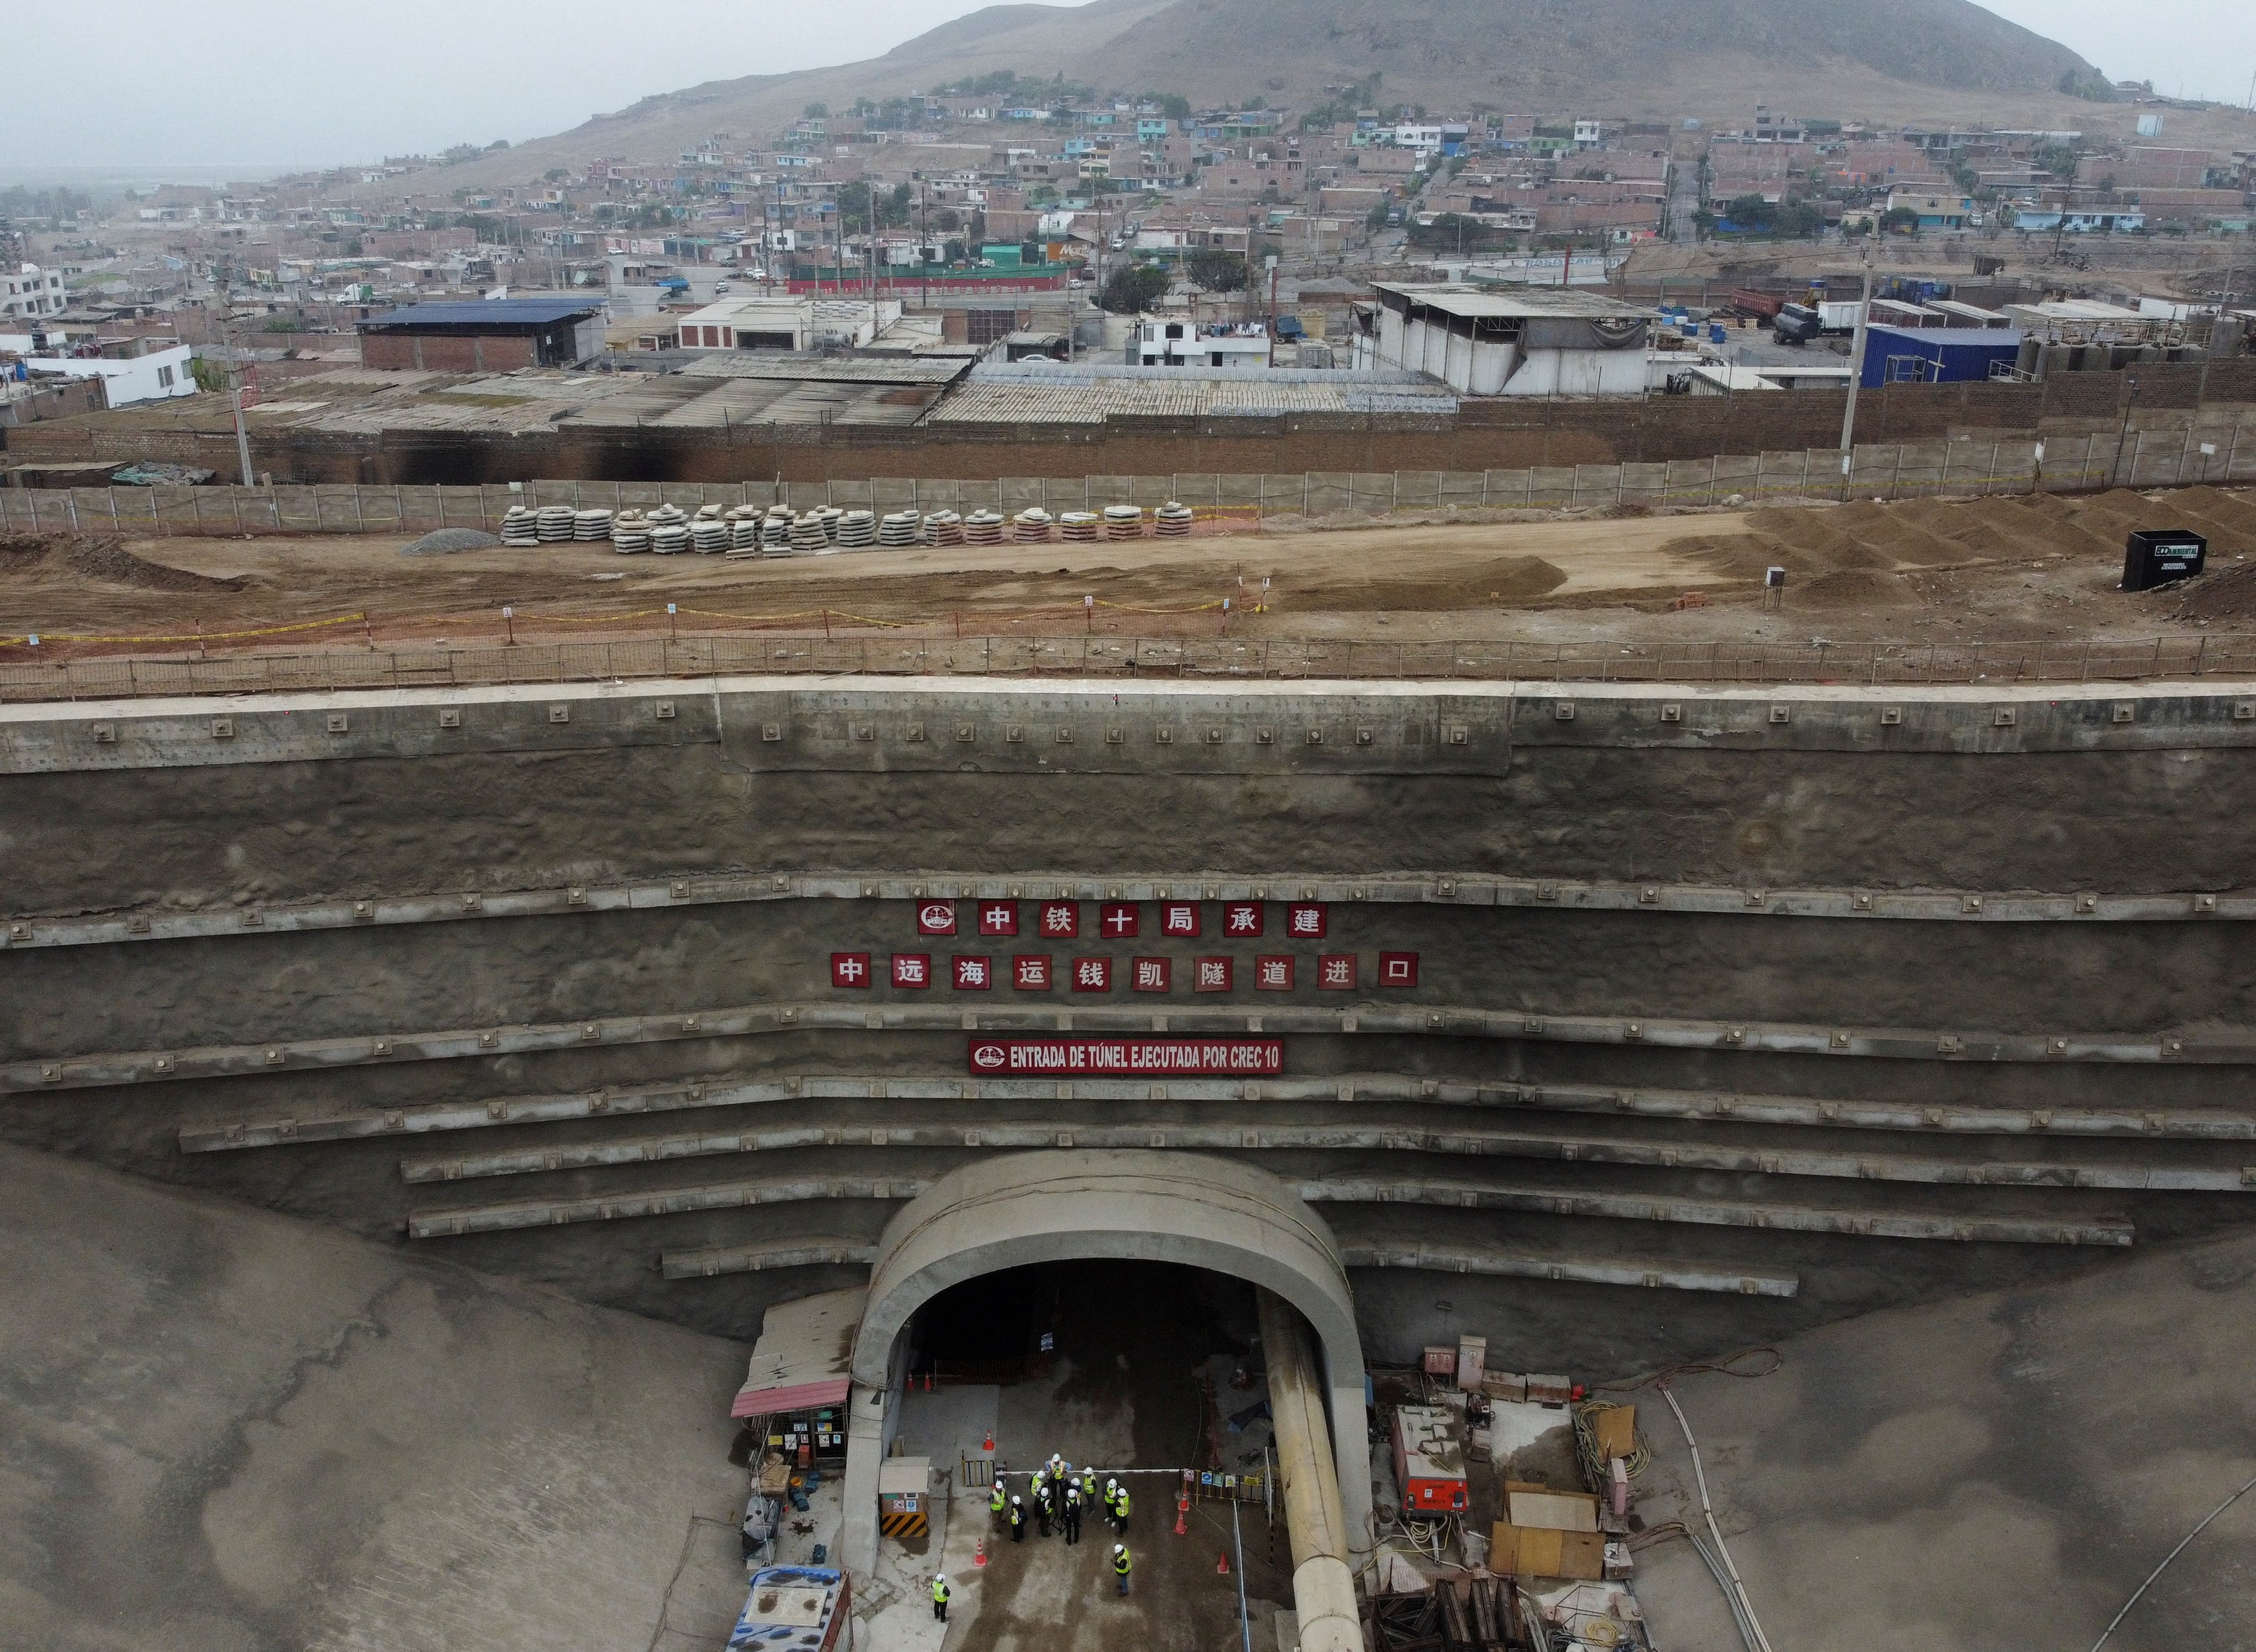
(2218, 446)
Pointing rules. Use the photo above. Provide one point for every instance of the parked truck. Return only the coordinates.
(1763, 306)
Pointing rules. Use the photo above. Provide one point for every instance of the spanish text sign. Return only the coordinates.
(1102, 1057)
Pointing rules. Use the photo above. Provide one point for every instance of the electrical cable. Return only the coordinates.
(1761, 1642)
(2173, 1555)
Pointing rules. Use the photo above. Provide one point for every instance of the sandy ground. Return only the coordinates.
(233, 1430)
(1997, 569)
(1998, 1471)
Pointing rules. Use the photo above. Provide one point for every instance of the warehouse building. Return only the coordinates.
(489, 335)
(1516, 341)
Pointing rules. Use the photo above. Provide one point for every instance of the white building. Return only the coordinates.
(781, 323)
(1427, 140)
(1163, 343)
(1509, 340)
(131, 369)
(31, 291)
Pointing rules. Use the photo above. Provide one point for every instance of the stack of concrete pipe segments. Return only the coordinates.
(1172, 521)
(629, 533)
(775, 531)
(982, 527)
(745, 531)
(943, 527)
(1031, 527)
(709, 532)
(1123, 521)
(520, 527)
(899, 529)
(808, 537)
(591, 526)
(857, 530)
(1079, 526)
(556, 523)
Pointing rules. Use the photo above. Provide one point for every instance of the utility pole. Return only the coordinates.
(1856, 376)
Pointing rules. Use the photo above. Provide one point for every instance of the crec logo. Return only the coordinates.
(936, 915)
(989, 1056)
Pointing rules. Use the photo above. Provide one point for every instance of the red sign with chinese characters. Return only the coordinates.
(911, 969)
(1179, 917)
(974, 974)
(1030, 974)
(1272, 974)
(1150, 974)
(1116, 920)
(1336, 973)
(1092, 974)
(998, 917)
(849, 969)
(1398, 969)
(1193, 1056)
(1061, 920)
(1304, 921)
(1241, 917)
(1210, 975)
(935, 918)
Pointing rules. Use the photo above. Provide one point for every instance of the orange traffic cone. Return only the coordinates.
(990, 1446)
(1222, 1563)
(1181, 1510)
(978, 1553)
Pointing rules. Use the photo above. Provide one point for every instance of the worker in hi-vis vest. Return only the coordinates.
(1120, 1565)
(1018, 1520)
(940, 1596)
(1120, 1511)
(997, 1500)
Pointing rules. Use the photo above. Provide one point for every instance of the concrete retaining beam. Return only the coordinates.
(1243, 1134)
(1582, 1271)
(1446, 1259)
(781, 1253)
(1451, 888)
(1549, 1201)
(2209, 1124)
(1136, 726)
(2208, 1046)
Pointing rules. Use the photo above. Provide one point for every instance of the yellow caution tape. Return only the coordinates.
(193, 636)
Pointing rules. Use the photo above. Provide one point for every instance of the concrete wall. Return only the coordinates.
(1956, 961)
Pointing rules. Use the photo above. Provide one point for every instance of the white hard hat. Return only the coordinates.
(1120, 1548)
(1109, 1480)
(940, 1577)
(1018, 1499)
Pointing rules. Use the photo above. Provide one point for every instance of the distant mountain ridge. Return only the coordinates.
(1908, 59)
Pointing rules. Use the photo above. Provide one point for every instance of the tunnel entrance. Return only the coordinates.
(1138, 1370)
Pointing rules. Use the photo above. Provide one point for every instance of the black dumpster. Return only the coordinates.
(2157, 556)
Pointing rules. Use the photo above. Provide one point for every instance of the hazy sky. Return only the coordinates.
(241, 82)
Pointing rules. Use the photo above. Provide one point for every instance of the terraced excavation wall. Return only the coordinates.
(1729, 1011)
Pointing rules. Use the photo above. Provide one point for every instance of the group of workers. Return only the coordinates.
(1061, 1494)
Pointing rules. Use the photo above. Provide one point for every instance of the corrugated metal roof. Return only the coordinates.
(512, 313)
(834, 369)
(1456, 299)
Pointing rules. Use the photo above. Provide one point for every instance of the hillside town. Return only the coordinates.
(1006, 220)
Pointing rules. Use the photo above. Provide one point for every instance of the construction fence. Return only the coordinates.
(1214, 657)
(2219, 447)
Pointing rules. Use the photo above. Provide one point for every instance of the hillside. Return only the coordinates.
(1918, 60)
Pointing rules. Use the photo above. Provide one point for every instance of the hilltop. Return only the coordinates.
(1917, 59)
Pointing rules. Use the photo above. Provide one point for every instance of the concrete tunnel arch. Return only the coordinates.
(1068, 1204)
